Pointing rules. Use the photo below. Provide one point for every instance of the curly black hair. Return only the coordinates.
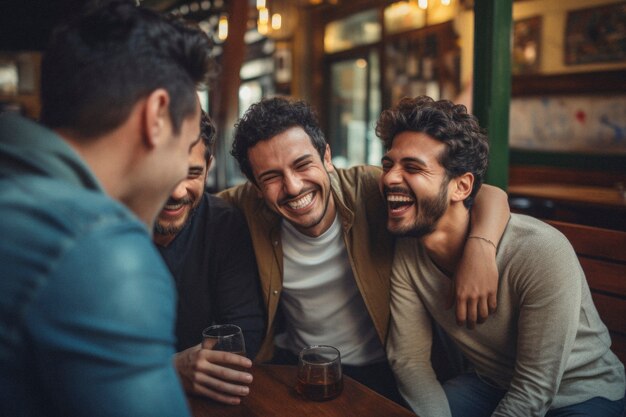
(268, 118)
(467, 147)
(208, 134)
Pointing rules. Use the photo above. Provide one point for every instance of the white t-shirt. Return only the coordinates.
(320, 299)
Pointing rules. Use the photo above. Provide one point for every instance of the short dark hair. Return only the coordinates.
(467, 148)
(268, 118)
(102, 62)
(208, 134)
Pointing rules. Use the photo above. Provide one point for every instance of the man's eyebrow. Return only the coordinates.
(406, 160)
(268, 172)
(196, 168)
(277, 171)
(302, 158)
(414, 159)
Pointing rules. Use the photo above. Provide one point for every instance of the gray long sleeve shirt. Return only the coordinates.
(545, 345)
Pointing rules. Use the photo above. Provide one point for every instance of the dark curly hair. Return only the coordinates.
(268, 118)
(467, 148)
(208, 134)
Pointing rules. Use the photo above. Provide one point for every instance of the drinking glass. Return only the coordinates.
(224, 337)
(319, 373)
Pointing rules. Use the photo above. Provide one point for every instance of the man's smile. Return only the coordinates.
(300, 202)
(175, 207)
(398, 201)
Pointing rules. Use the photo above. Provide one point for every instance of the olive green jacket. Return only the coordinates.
(369, 245)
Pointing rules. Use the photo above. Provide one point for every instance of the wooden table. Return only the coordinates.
(574, 194)
(272, 394)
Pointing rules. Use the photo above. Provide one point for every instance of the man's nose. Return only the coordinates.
(292, 184)
(392, 176)
(180, 191)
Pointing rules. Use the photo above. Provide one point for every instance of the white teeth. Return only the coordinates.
(399, 199)
(174, 207)
(301, 202)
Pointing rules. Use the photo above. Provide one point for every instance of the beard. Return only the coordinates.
(167, 230)
(429, 211)
(173, 228)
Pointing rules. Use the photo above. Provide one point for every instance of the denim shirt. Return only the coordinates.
(87, 306)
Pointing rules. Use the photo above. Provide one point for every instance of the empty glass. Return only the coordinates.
(224, 337)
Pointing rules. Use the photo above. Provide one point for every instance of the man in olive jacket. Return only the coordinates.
(328, 265)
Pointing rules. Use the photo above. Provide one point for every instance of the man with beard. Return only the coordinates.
(206, 245)
(320, 241)
(545, 351)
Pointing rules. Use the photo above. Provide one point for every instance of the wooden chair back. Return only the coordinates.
(602, 255)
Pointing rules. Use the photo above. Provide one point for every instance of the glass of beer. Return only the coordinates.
(319, 373)
(224, 337)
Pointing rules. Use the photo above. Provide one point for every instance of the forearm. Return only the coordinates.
(546, 329)
(490, 214)
(476, 278)
(410, 344)
(421, 390)
(409, 356)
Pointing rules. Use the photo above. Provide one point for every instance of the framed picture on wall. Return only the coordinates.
(526, 53)
(596, 35)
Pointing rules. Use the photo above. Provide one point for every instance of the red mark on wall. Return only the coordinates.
(581, 116)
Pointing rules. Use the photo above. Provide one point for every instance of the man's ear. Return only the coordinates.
(157, 122)
(462, 186)
(328, 161)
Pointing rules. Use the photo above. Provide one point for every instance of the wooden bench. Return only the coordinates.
(537, 174)
(602, 255)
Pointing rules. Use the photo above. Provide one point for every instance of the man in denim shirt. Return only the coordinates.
(86, 304)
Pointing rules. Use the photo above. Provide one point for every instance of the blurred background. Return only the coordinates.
(546, 78)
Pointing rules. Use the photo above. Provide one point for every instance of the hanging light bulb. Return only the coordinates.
(264, 16)
(222, 27)
(262, 28)
(445, 2)
(423, 4)
(262, 24)
(260, 4)
(276, 21)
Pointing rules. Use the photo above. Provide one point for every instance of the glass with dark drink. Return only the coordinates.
(319, 373)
